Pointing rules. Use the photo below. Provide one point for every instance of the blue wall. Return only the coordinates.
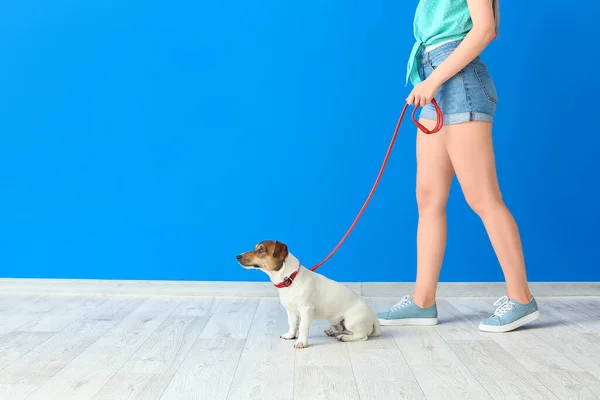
(156, 140)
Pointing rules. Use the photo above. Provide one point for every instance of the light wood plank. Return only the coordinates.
(197, 307)
(576, 347)
(36, 367)
(16, 344)
(134, 386)
(473, 310)
(85, 375)
(570, 385)
(154, 364)
(327, 383)
(322, 350)
(19, 311)
(379, 367)
(12, 322)
(15, 303)
(207, 371)
(266, 357)
(573, 313)
(382, 373)
(498, 372)
(438, 370)
(68, 310)
(590, 305)
(323, 370)
(166, 348)
(10, 391)
(115, 309)
(555, 311)
(231, 319)
(454, 325)
(524, 345)
(557, 329)
(239, 355)
(592, 337)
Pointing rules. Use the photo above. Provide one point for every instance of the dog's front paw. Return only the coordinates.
(288, 336)
(331, 332)
(300, 345)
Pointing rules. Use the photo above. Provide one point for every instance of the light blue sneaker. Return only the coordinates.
(406, 312)
(510, 315)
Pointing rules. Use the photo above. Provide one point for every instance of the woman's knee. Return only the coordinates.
(431, 197)
(482, 201)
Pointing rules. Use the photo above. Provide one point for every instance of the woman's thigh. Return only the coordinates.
(471, 152)
(434, 168)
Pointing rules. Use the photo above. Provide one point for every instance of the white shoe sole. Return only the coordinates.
(409, 322)
(512, 326)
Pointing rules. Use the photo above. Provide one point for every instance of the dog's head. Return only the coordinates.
(268, 255)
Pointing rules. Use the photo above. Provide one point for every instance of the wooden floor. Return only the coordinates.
(123, 347)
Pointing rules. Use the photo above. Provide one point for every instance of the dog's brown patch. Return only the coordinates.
(268, 255)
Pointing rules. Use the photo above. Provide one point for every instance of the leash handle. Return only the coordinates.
(440, 119)
(438, 126)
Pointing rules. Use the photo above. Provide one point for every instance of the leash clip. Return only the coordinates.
(287, 281)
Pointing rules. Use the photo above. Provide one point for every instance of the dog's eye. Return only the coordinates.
(261, 250)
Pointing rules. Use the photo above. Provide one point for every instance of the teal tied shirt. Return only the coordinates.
(437, 21)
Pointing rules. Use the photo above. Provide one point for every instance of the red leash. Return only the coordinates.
(438, 126)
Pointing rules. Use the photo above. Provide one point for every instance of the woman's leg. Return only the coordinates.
(434, 177)
(470, 149)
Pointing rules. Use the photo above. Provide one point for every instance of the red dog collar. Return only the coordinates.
(287, 281)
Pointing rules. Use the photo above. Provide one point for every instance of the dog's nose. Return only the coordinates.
(239, 257)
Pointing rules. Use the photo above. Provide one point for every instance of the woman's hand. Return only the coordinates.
(423, 92)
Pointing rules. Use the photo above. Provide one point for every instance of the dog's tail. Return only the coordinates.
(376, 327)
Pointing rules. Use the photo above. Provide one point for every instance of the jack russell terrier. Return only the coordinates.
(309, 296)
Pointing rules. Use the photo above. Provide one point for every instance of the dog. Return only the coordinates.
(309, 296)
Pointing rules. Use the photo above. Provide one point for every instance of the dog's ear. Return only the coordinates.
(280, 252)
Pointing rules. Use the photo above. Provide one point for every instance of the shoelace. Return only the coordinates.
(405, 302)
(505, 305)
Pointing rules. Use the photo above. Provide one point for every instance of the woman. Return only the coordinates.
(445, 63)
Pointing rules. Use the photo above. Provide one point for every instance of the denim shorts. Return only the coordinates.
(470, 95)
